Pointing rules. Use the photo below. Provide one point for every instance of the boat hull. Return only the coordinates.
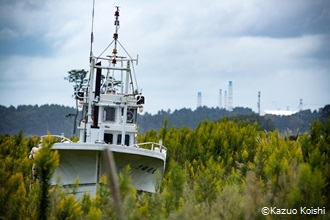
(84, 162)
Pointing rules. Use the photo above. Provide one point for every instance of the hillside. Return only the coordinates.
(55, 119)
(191, 118)
(36, 120)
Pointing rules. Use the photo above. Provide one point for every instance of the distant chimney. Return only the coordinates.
(225, 98)
(199, 99)
(230, 96)
(220, 98)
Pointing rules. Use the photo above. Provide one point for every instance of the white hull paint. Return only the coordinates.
(84, 161)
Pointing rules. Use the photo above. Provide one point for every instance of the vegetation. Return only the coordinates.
(227, 169)
(78, 77)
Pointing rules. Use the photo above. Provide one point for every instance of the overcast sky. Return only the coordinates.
(278, 47)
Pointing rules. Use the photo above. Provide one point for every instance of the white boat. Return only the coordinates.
(110, 104)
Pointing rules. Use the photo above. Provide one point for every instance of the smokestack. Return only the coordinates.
(225, 100)
(230, 96)
(199, 99)
(220, 98)
(97, 94)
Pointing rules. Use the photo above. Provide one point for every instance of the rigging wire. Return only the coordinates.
(125, 50)
(132, 63)
(105, 49)
(115, 40)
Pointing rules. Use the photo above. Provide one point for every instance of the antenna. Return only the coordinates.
(115, 37)
(259, 102)
(300, 104)
(92, 35)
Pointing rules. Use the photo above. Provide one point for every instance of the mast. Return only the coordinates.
(114, 62)
(86, 136)
(90, 101)
(115, 35)
(99, 96)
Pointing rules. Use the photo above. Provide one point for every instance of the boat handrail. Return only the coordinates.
(63, 138)
(160, 147)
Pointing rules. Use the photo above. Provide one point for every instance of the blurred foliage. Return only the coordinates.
(228, 169)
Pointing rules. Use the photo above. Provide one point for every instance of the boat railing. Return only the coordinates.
(63, 139)
(152, 146)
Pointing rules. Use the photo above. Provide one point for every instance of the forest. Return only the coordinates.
(36, 120)
(222, 169)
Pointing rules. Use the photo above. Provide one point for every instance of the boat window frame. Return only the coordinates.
(112, 114)
(127, 139)
(108, 140)
(133, 112)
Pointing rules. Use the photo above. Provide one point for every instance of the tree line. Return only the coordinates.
(57, 119)
(37, 120)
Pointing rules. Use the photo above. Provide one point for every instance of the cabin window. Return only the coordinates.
(131, 115)
(126, 139)
(109, 114)
(108, 138)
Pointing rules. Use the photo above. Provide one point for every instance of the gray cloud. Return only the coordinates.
(278, 47)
